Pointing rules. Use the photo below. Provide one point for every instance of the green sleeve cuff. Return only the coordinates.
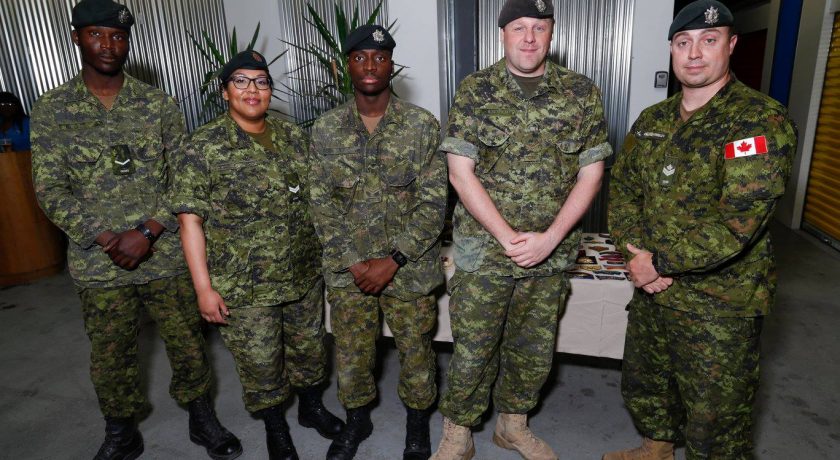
(595, 154)
(460, 147)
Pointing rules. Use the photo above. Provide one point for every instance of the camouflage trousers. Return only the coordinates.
(277, 347)
(690, 376)
(505, 331)
(354, 317)
(112, 317)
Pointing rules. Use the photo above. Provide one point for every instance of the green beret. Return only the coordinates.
(102, 13)
(248, 59)
(515, 9)
(701, 14)
(368, 37)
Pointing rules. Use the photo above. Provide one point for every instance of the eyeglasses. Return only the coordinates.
(243, 82)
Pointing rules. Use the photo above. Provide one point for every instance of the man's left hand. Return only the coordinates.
(377, 277)
(531, 248)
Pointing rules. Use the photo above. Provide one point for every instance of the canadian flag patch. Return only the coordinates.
(746, 147)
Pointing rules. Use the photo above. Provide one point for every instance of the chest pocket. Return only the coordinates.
(344, 176)
(242, 191)
(493, 142)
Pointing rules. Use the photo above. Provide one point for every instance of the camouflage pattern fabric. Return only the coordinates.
(504, 332)
(692, 376)
(277, 346)
(75, 144)
(372, 193)
(705, 217)
(112, 316)
(674, 192)
(354, 317)
(261, 246)
(528, 152)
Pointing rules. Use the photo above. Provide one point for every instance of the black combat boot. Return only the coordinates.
(313, 414)
(418, 445)
(207, 432)
(356, 430)
(277, 437)
(122, 440)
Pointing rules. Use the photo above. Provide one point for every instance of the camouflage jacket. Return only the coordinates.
(372, 193)
(528, 153)
(76, 144)
(261, 247)
(675, 193)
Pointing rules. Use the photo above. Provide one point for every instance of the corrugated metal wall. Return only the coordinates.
(296, 30)
(38, 54)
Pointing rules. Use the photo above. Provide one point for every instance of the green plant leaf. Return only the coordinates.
(341, 21)
(321, 27)
(200, 48)
(220, 60)
(253, 41)
(374, 14)
(233, 47)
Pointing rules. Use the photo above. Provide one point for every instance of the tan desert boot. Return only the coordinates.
(456, 444)
(512, 433)
(649, 450)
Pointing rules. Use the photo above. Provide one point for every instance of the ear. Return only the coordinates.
(74, 34)
(501, 34)
(732, 41)
(225, 94)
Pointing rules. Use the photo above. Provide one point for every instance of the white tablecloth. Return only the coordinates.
(593, 324)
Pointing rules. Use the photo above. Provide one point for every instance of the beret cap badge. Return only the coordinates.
(124, 16)
(540, 4)
(378, 36)
(712, 16)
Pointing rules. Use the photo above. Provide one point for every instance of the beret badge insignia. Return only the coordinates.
(540, 5)
(712, 16)
(124, 16)
(378, 36)
(256, 57)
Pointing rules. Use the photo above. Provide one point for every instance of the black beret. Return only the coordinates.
(368, 37)
(248, 59)
(103, 13)
(702, 14)
(515, 9)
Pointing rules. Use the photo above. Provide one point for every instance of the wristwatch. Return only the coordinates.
(146, 232)
(399, 257)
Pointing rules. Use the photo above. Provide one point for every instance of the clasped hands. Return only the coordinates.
(643, 274)
(372, 276)
(527, 249)
(126, 249)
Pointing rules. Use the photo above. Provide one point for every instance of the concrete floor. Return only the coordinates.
(48, 408)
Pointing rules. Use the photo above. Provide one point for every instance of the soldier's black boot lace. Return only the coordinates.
(277, 437)
(206, 431)
(122, 440)
(313, 414)
(356, 430)
(418, 445)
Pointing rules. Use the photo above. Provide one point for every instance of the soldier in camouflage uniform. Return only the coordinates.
(691, 197)
(101, 146)
(526, 143)
(240, 190)
(379, 196)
